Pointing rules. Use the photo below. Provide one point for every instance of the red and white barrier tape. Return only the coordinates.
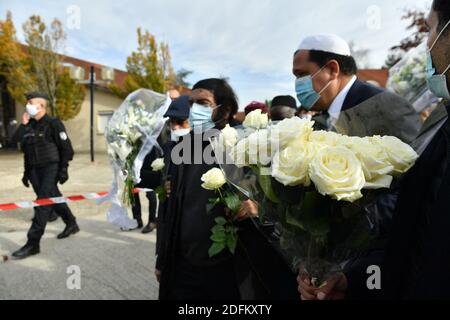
(58, 200)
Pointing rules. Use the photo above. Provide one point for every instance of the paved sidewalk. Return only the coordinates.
(113, 264)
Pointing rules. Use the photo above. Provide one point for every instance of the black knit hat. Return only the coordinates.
(34, 95)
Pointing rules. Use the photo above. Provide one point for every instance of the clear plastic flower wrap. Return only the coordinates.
(316, 187)
(131, 134)
(408, 78)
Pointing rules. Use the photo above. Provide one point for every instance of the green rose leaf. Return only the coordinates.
(161, 192)
(232, 242)
(216, 248)
(221, 221)
(265, 181)
(212, 204)
(219, 236)
(232, 201)
(218, 228)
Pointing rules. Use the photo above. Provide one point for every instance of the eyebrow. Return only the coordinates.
(299, 73)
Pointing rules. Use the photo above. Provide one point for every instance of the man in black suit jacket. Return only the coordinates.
(416, 261)
(327, 83)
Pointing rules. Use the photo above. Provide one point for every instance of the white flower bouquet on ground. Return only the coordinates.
(131, 134)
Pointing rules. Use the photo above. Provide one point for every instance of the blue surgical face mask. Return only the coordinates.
(437, 83)
(305, 91)
(200, 118)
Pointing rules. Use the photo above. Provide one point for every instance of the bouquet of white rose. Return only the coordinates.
(312, 182)
(408, 78)
(131, 134)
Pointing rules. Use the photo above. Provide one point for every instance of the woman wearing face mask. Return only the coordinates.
(187, 272)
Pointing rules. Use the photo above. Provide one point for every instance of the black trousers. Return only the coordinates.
(43, 180)
(137, 211)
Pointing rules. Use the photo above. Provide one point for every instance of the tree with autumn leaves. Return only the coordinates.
(39, 65)
(150, 66)
(417, 24)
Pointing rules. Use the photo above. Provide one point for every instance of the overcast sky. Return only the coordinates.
(249, 41)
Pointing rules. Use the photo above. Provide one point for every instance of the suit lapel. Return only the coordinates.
(352, 98)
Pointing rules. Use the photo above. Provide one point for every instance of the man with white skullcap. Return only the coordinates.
(326, 81)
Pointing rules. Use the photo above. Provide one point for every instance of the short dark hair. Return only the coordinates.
(279, 113)
(347, 64)
(442, 8)
(224, 96)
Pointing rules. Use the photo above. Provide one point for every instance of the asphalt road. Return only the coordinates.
(100, 262)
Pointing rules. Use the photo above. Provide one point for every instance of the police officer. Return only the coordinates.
(47, 150)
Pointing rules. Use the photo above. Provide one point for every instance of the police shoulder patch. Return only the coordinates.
(63, 136)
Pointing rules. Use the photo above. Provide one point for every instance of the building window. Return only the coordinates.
(103, 118)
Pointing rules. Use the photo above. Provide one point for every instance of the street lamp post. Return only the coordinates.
(91, 87)
(107, 76)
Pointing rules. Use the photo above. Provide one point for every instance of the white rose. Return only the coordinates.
(134, 135)
(324, 138)
(399, 154)
(132, 118)
(293, 129)
(402, 86)
(348, 141)
(337, 172)
(122, 149)
(140, 104)
(158, 164)
(290, 165)
(256, 120)
(375, 163)
(228, 137)
(259, 149)
(213, 179)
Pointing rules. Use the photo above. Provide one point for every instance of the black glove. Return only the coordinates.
(25, 180)
(63, 175)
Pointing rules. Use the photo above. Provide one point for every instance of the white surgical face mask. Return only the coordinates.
(32, 110)
(175, 135)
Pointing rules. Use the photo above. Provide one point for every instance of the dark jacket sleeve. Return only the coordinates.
(17, 138)
(62, 141)
(163, 210)
(263, 272)
(18, 135)
(166, 223)
(379, 213)
(150, 179)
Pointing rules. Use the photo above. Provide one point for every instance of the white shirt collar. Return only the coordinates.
(338, 102)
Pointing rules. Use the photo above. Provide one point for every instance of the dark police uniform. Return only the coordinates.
(47, 150)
